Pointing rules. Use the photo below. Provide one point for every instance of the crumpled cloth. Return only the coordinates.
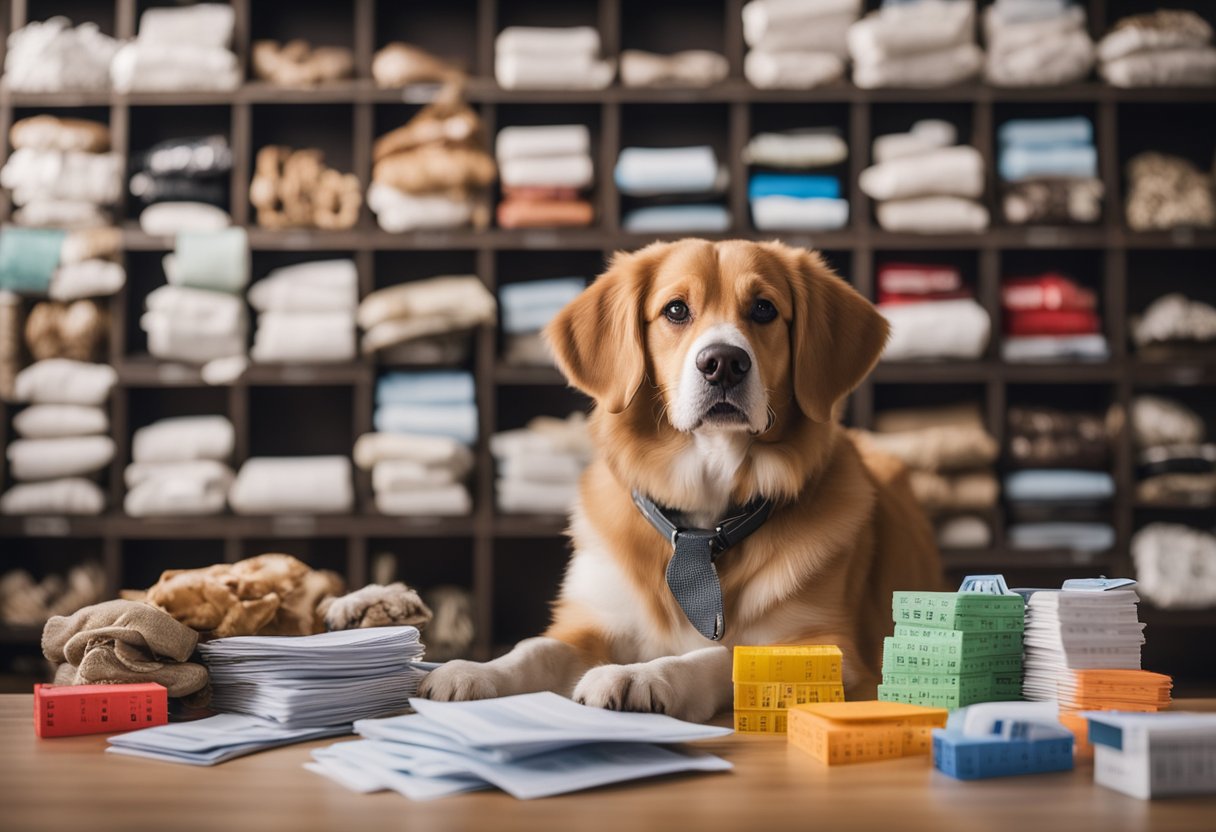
(1175, 318)
(118, 642)
(1167, 192)
(1175, 565)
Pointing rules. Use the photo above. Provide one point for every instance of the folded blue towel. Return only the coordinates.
(1080, 537)
(1019, 162)
(648, 171)
(28, 258)
(531, 319)
(1040, 485)
(800, 185)
(1070, 130)
(662, 219)
(556, 291)
(443, 387)
(458, 421)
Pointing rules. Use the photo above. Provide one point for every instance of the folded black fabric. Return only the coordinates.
(1052, 200)
(148, 189)
(1046, 437)
(1177, 459)
(194, 156)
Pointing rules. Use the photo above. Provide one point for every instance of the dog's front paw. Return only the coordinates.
(459, 680)
(627, 687)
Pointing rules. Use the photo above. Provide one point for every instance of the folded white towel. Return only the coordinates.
(304, 337)
(51, 56)
(183, 438)
(397, 212)
(407, 475)
(208, 470)
(307, 484)
(372, 449)
(654, 171)
(924, 70)
(443, 501)
(167, 218)
(174, 340)
(183, 497)
(144, 66)
(60, 213)
(1194, 67)
(545, 435)
(814, 32)
(912, 29)
(926, 135)
(201, 24)
(950, 171)
(49, 459)
(523, 497)
(791, 70)
(66, 496)
(564, 71)
(548, 40)
(574, 171)
(86, 279)
(936, 329)
(462, 298)
(933, 215)
(787, 213)
(543, 141)
(796, 149)
(315, 286)
(63, 381)
(72, 176)
(1125, 40)
(51, 421)
(964, 532)
(203, 311)
(550, 467)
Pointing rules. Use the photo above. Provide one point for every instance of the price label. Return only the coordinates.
(47, 527)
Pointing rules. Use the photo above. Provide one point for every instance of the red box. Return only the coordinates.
(73, 710)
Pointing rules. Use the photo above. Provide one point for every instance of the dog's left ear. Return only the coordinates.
(837, 335)
(597, 338)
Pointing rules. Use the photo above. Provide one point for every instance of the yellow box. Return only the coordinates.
(760, 721)
(768, 695)
(791, 664)
(836, 733)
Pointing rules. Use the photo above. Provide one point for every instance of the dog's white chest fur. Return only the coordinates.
(708, 467)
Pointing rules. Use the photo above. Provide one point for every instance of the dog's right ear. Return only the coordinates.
(597, 338)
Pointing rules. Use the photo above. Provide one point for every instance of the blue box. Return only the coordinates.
(977, 758)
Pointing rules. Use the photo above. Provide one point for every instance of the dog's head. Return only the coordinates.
(731, 335)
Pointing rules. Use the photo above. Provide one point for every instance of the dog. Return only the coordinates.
(718, 370)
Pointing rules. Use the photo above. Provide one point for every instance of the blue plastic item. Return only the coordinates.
(1023, 748)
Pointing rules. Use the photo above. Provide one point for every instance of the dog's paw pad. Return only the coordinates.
(626, 688)
(458, 681)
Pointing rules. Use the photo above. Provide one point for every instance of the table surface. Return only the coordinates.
(69, 784)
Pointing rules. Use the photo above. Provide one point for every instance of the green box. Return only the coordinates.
(963, 645)
(964, 611)
(900, 656)
(942, 698)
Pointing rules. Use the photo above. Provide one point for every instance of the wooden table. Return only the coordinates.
(69, 784)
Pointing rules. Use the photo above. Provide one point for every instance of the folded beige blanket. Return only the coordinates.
(954, 492)
(123, 642)
(940, 447)
(964, 414)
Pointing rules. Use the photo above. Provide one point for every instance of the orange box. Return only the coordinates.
(836, 733)
(760, 721)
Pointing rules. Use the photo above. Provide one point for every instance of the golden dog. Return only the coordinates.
(718, 370)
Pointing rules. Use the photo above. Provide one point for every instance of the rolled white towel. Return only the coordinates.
(183, 438)
(143, 66)
(52, 421)
(306, 484)
(212, 470)
(791, 70)
(786, 213)
(303, 337)
(814, 31)
(177, 489)
(950, 171)
(524, 497)
(407, 475)
(551, 467)
(542, 141)
(315, 286)
(397, 212)
(51, 56)
(462, 297)
(71, 176)
(444, 501)
(372, 449)
(797, 149)
(61, 214)
(564, 71)
(912, 29)
(168, 218)
(204, 311)
(933, 215)
(66, 496)
(63, 381)
(548, 40)
(926, 135)
(49, 459)
(86, 279)
(574, 171)
(172, 339)
(936, 329)
(925, 70)
(200, 24)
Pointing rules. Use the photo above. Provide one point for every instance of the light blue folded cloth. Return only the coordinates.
(648, 171)
(457, 421)
(1080, 537)
(662, 219)
(28, 258)
(1065, 484)
(441, 387)
(1026, 11)
(1069, 130)
(799, 185)
(529, 319)
(1021, 162)
(216, 260)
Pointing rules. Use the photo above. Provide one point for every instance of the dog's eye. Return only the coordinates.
(763, 311)
(676, 311)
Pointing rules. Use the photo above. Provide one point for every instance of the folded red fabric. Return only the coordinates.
(1046, 291)
(918, 278)
(1051, 322)
(895, 298)
(527, 213)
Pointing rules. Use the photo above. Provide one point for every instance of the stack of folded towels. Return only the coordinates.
(421, 419)
(425, 321)
(1036, 43)
(546, 172)
(1175, 566)
(1163, 48)
(1049, 171)
(1049, 317)
(293, 485)
(782, 195)
(933, 314)
(52, 56)
(65, 266)
(539, 465)
(1174, 325)
(1176, 463)
(63, 442)
(532, 57)
(950, 454)
(61, 173)
(679, 173)
(306, 313)
(177, 49)
(199, 316)
(527, 307)
(689, 68)
(797, 44)
(183, 184)
(433, 171)
(923, 43)
(179, 467)
(925, 183)
(1046, 437)
(1166, 192)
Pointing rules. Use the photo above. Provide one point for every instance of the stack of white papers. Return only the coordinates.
(534, 745)
(1078, 630)
(330, 679)
(206, 742)
(1154, 755)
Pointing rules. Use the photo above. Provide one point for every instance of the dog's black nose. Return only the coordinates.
(723, 365)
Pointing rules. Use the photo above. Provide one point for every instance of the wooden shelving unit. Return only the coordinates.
(512, 564)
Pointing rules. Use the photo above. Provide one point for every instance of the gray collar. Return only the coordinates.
(691, 576)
